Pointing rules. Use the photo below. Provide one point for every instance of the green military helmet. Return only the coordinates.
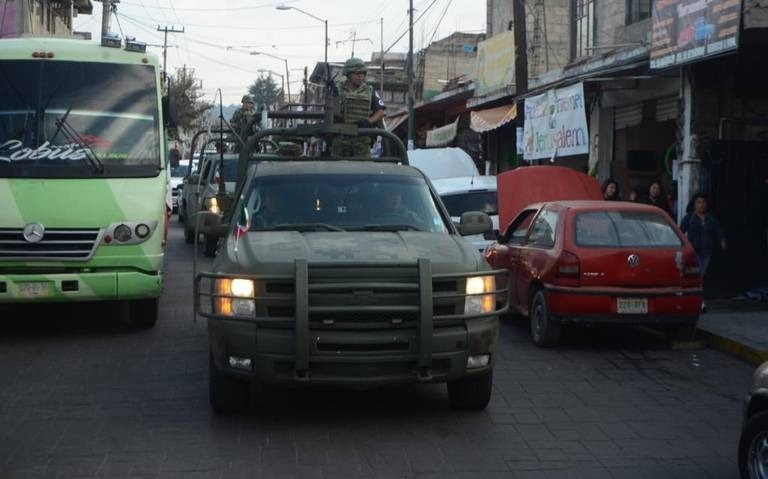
(353, 65)
(247, 98)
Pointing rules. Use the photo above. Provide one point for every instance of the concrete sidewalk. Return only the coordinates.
(737, 328)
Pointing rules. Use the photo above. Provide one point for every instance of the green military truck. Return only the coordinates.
(345, 271)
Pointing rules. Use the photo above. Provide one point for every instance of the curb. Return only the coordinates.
(731, 346)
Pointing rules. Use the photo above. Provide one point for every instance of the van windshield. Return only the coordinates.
(75, 119)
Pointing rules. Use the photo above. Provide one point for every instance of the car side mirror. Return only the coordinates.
(474, 223)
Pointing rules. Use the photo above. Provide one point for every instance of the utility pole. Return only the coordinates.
(107, 6)
(381, 82)
(165, 31)
(306, 90)
(411, 125)
(521, 59)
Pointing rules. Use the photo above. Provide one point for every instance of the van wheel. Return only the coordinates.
(472, 392)
(544, 331)
(143, 313)
(753, 447)
(210, 244)
(226, 394)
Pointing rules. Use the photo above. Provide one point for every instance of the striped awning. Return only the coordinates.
(492, 118)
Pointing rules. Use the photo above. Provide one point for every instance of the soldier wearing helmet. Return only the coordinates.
(242, 115)
(356, 103)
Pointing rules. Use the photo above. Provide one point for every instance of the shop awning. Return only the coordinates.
(492, 118)
(394, 121)
(442, 136)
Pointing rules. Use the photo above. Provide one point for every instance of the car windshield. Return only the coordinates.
(230, 169)
(77, 118)
(637, 229)
(334, 202)
(484, 201)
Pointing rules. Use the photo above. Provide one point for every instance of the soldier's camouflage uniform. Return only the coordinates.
(350, 106)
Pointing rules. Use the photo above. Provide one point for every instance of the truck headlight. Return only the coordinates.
(212, 205)
(236, 297)
(478, 301)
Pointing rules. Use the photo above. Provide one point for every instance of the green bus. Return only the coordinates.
(83, 178)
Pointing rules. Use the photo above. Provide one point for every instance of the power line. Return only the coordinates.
(407, 30)
(230, 9)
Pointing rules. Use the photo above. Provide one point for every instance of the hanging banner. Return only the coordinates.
(442, 136)
(687, 30)
(495, 63)
(556, 124)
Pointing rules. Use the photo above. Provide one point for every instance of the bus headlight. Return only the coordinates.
(478, 301)
(212, 205)
(236, 297)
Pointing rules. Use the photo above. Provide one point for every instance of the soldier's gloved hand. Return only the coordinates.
(364, 124)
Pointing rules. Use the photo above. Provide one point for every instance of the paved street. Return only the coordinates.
(83, 396)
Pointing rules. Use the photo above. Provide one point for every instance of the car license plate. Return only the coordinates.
(34, 290)
(632, 305)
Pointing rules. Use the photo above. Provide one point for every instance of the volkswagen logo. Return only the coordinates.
(633, 260)
(34, 232)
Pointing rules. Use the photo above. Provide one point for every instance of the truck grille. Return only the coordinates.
(56, 245)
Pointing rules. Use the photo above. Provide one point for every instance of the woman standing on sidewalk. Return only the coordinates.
(703, 231)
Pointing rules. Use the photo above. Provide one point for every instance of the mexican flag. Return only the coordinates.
(243, 222)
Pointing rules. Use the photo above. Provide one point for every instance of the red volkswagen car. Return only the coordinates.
(587, 262)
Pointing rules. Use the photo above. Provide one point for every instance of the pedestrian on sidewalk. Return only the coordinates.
(657, 197)
(610, 190)
(703, 231)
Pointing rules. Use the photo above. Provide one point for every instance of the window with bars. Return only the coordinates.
(638, 10)
(583, 27)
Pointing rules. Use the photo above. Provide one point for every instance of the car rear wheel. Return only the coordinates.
(682, 332)
(143, 313)
(210, 244)
(753, 448)
(226, 394)
(472, 392)
(544, 331)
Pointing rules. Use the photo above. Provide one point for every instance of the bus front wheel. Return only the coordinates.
(143, 313)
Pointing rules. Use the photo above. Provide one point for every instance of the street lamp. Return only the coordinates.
(287, 74)
(325, 22)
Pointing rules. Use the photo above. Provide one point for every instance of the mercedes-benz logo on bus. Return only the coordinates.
(34, 232)
(633, 260)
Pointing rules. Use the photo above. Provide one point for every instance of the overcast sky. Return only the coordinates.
(256, 25)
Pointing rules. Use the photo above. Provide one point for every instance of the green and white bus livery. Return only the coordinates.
(82, 175)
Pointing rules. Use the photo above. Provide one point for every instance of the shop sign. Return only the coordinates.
(495, 63)
(556, 124)
(688, 30)
(442, 136)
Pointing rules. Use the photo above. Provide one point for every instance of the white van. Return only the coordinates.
(470, 193)
(438, 163)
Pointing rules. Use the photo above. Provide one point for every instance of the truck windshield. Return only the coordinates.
(334, 202)
(78, 119)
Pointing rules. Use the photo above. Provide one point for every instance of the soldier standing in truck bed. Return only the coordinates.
(356, 103)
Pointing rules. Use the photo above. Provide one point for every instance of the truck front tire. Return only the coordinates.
(226, 393)
(472, 392)
(143, 313)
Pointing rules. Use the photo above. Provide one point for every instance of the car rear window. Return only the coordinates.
(625, 229)
(484, 201)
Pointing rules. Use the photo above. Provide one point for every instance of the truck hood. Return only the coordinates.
(275, 251)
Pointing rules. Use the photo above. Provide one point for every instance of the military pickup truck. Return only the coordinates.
(345, 271)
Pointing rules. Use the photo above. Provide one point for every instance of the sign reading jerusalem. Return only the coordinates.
(687, 30)
(556, 124)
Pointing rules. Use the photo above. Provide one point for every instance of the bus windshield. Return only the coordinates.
(78, 119)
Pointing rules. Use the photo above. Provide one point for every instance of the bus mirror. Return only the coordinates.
(170, 111)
